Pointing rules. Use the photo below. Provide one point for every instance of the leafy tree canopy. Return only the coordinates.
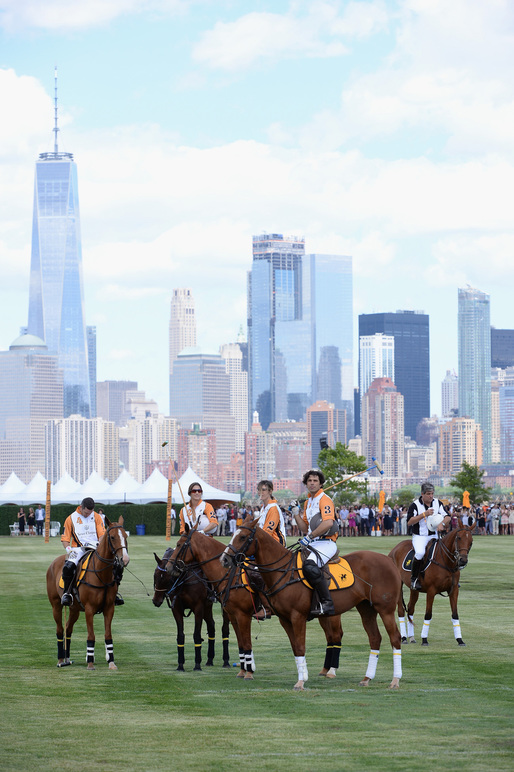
(470, 479)
(337, 464)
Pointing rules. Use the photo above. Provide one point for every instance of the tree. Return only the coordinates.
(470, 479)
(405, 496)
(338, 463)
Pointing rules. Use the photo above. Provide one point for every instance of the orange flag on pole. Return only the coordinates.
(465, 500)
(381, 501)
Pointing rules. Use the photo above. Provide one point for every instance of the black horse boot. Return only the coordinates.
(415, 583)
(68, 573)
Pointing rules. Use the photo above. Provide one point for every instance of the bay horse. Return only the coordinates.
(442, 575)
(94, 593)
(237, 600)
(189, 593)
(375, 590)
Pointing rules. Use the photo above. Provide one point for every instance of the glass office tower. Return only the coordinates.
(474, 334)
(281, 341)
(56, 303)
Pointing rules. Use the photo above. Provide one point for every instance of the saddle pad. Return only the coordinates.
(429, 554)
(244, 579)
(83, 565)
(341, 575)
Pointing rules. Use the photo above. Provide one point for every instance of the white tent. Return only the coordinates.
(34, 492)
(11, 489)
(209, 492)
(65, 491)
(155, 488)
(95, 486)
(121, 490)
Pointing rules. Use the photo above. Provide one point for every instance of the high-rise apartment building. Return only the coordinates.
(232, 355)
(376, 359)
(410, 331)
(460, 440)
(182, 327)
(383, 426)
(502, 348)
(292, 453)
(332, 277)
(201, 395)
(324, 423)
(450, 394)
(280, 329)
(111, 400)
(31, 392)
(259, 455)
(197, 449)
(141, 445)
(56, 301)
(474, 341)
(506, 404)
(91, 359)
(79, 446)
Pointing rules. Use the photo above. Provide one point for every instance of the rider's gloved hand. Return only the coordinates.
(305, 541)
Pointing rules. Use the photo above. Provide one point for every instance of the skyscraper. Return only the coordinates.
(91, 358)
(474, 336)
(383, 426)
(56, 302)
(324, 422)
(233, 356)
(182, 327)
(280, 329)
(376, 359)
(502, 348)
(450, 394)
(411, 359)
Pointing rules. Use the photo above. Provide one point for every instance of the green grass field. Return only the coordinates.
(454, 708)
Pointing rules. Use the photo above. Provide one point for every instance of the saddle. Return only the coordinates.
(79, 572)
(337, 571)
(429, 556)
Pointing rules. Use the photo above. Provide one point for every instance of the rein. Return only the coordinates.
(452, 557)
(115, 562)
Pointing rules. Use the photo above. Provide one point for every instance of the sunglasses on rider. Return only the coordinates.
(196, 490)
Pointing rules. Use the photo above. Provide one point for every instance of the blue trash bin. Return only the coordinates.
(140, 529)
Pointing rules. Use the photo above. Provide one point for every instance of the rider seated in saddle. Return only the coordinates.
(318, 523)
(270, 520)
(419, 511)
(83, 529)
(198, 514)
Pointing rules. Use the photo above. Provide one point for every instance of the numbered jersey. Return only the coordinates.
(203, 517)
(271, 520)
(316, 507)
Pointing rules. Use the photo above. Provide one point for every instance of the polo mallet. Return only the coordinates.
(165, 445)
(376, 465)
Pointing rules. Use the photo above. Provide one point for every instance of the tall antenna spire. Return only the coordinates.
(56, 128)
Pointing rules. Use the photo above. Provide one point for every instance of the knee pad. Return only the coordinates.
(312, 572)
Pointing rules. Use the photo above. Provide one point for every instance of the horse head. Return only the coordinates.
(240, 543)
(117, 542)
(462, 545)
(161, 580)
(181, 555)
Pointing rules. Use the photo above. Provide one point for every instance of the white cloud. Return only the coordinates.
(62, 15)
(323, 30)
(460, 260)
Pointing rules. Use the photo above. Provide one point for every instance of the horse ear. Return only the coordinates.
(157, 559)
(107, 522)
(186, 526)
(121, 520)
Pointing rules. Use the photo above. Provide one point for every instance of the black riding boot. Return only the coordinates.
(415, 582)
(68, 572)
(316, 578)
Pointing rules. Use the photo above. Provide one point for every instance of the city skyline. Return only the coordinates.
(372, 144)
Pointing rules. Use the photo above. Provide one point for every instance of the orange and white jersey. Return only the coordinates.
(204, 515)
(80, 530)
(321, 505)
(271, 520)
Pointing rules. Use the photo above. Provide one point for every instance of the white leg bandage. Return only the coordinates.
(426, 627)
(397, 663)
(403, 628)
(301, 666)
(372, 663)
(410, 626)
(456, 628)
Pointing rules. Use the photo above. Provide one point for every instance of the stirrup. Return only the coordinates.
(66, 599)
(323, 608)
(118, 600)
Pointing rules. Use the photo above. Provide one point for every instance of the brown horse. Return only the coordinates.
(95, 592)
(442, 575)
(238, 601)
(189, 593)
(375, 590)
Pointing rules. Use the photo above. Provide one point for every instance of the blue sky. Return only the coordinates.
(379, 129)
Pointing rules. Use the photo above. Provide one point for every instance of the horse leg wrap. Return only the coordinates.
(403, 628)
(109, 650)
(372, 663)
(426, 628)
(456, 629)
(397, 663)
(226, 653)
(180, 649)
(210, 648)
(336, 651)
(249, 661)
(90, 652)
(242, 658)
(67, 645)
(198, 655)
(328, 658)
(410, 626)
(301, 666)
(60, 648)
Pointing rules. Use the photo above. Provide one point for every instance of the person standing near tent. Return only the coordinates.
(198, 513)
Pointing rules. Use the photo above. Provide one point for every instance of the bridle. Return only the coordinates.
(239, 556)
(459, 553)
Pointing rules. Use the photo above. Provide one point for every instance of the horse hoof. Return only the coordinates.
(404, 639)
(460, 642)
(331, 673)
(395, 683)
(412, 640)
(226, 664)
(210, 663)
(112, 666)
(180, 668)
(197, 667)
(298, 687)
(241, 674)
(424, 641)
(365, 682)
(323, 672)
(248, 677)
(91, 667)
